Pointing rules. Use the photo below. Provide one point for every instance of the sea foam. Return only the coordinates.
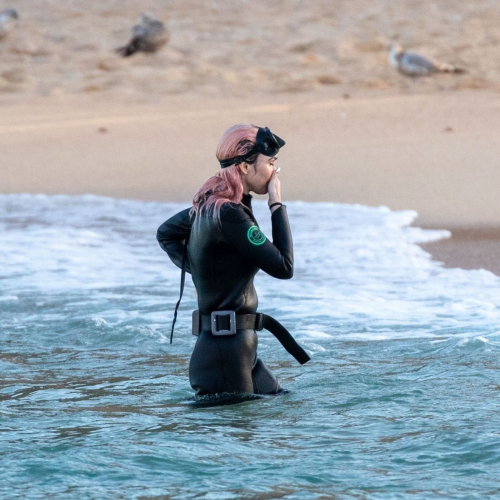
(359, 272)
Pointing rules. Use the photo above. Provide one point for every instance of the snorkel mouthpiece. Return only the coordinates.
(266, 143)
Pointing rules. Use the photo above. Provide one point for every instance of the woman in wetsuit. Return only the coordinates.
(225, 249)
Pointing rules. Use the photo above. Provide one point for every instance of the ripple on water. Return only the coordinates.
(398, 401)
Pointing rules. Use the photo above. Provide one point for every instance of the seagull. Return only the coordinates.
(148, 35)
(415, 65)
(6, 17)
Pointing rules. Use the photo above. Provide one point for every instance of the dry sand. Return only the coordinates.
(76, 118)
(241, 47)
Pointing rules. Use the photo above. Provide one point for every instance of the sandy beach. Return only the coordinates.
(76, 118)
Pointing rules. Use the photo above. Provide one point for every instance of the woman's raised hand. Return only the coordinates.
(274, 189)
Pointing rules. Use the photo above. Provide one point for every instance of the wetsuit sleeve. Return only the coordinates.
(276, 257)
(171, 236)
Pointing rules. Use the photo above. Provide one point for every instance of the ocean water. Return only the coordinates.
(400, 399)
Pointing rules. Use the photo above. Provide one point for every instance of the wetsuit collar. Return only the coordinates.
(247, 200)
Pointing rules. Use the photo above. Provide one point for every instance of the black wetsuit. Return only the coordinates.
(223, 258)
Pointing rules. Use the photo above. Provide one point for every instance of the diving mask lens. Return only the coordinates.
(267, 143)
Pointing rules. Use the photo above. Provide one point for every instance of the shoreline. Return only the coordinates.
(432, 153)
(468, 248)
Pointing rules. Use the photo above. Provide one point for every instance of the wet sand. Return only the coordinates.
(469, 248)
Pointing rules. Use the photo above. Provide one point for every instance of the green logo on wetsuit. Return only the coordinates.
(255, 236)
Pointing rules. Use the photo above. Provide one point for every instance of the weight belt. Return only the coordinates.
(224, 323)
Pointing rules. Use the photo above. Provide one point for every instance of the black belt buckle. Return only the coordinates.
(259, 322)
(215, 319)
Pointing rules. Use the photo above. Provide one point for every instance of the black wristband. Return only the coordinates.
(274, 204)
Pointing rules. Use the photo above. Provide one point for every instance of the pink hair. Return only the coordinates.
(226, 185)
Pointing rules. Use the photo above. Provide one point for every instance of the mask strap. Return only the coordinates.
(183, 280)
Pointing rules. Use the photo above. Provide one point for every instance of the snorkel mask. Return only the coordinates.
(266, 143)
